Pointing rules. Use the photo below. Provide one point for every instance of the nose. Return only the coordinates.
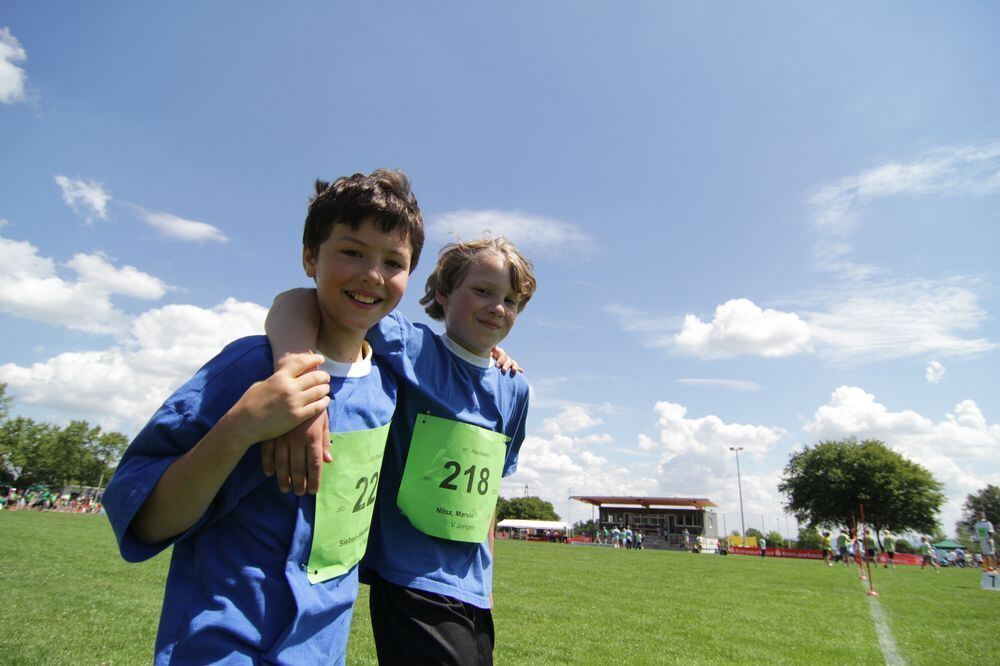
(497, 309)
(373, 275)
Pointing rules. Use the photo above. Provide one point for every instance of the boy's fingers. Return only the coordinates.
(318, 441)
(297, 467)
(327, 457)
(267, 457)
(296, 364)
(312, 398)
(281, 464)
(314, 377)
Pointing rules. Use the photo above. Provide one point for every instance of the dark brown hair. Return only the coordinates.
(455, 260)
(383, 196)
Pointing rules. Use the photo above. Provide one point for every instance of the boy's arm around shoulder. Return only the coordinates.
(268, 408)
(517, 421)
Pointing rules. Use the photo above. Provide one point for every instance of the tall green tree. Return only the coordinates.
(809, 538)
(825, 484)
(987, 500)
(526, 508)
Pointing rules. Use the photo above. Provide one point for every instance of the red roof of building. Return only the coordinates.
(646, 502)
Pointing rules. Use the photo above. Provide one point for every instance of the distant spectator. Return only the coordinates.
(982, 532)
(927, 555)
(628, 538)
(826, 549)
(890, 548)
(870, 552)
(842, 552)
(638, 539)
(687, 539)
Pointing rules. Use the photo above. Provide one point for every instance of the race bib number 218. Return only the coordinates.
(451, 479)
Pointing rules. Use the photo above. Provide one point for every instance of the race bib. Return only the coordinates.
(345, 502)
(452, 478)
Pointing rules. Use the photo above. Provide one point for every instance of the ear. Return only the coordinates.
(308, 262)
(441, 298)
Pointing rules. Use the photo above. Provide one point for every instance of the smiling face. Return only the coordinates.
(360, 276)
(481, 310)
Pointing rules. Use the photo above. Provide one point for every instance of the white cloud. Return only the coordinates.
(686, 457)
(730, 384)
(958, 450)
(564, 459)
(13, 79)
(121, 386)
(531, 233)
(885, 319)
(965, 170)
(573, 418)
(935, 372)
(707, 437)
(30, 287)
(95, 270)
(739, 327)
(866, 321)
(182, 229)
(86, 197)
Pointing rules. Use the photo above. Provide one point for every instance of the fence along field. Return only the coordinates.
(69, 599)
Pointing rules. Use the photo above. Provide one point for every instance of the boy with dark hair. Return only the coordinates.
(257, 575)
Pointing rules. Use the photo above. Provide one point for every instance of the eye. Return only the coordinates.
(392, 263)
(511, 301)
(481, 291)
(351, 253)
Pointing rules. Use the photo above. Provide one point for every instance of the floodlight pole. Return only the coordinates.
(739, 484)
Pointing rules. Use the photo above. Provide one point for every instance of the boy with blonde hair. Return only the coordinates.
(458, 428)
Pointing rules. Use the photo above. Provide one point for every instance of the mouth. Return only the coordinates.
(489, 324)
(363, 299)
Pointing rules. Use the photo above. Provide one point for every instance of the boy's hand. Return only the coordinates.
(296, 392)
(297, 457)
(505, 363)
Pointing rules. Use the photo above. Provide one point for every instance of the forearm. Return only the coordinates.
(292, 323)
(187, 488)
(493, 527)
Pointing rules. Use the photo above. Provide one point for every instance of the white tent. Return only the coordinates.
(516, 524)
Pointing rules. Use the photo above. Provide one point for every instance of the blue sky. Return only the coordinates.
(754, 226)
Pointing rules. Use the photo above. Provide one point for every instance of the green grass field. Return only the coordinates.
(68, 598)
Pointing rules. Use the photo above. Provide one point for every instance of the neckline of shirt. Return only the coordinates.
(361, 368)
(464, 354)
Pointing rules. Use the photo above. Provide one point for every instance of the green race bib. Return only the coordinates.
(452, 478)
(344, 503)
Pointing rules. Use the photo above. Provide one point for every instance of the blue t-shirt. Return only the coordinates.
(437, 377)
(237, 589)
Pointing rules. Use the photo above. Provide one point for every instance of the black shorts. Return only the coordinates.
(416, 627)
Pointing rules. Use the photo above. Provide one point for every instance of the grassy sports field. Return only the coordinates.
(67, 598)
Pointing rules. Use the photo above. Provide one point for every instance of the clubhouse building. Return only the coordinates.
(662, 520)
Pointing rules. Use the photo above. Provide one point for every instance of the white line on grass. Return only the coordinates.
(885, 640)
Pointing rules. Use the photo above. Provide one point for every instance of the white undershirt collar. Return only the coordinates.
(464, 354)
(361, 368)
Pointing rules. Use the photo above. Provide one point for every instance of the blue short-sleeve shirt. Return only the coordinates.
(237, 590)
(437, 377)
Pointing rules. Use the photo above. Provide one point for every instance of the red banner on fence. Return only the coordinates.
(883, 558)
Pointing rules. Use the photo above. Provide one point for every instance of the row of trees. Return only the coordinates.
(525, 508)
(42, 453)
